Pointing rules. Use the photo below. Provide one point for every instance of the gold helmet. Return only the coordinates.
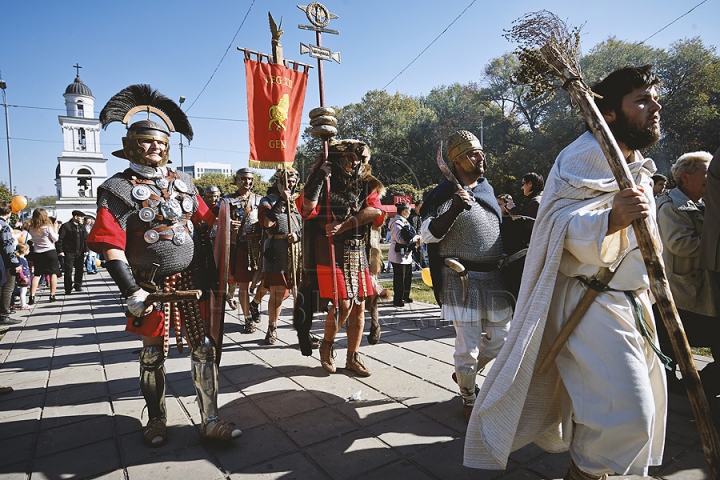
(460, 144)
(142, 98)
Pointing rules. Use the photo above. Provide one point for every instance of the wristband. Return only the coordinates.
(121, 273)
(314, 186)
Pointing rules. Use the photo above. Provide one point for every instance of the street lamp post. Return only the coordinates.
(3, 86)
(482, 121)
(182, 160)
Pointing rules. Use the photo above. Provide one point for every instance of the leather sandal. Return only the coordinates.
(220, 430)
(232, 303)
(255, 311)
(155, 433)
(249, 326)
(271, 335)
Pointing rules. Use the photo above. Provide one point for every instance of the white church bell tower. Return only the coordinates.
(81, 168)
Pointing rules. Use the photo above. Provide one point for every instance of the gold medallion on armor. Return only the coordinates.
(141, 192)
(146, 214)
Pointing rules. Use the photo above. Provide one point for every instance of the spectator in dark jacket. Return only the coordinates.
(71, 245)
(12, 266)
(532, 187)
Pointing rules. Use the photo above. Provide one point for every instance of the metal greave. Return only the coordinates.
(152, 381)
(204, 375)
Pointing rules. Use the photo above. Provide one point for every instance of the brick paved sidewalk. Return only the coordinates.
(76, 408)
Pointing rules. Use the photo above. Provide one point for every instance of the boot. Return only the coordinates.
(468, 391)
(574, 473)
(356, 365)
(152, 386)
(327, 353)
(204, 375)
(271, 335)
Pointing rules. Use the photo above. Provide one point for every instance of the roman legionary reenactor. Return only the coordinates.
(335, 228)
(211, 195)
(146, 229)
(245, 235)
(281, 250)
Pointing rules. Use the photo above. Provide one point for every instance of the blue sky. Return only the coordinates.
(175, 46)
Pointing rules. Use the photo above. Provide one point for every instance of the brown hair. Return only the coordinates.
(22, 248)
(39, 219)
(5, 208)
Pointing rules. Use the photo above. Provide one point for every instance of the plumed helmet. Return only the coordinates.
(211, 190)
(143, 98)
(460, 144)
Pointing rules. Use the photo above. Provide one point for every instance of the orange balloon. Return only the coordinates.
(18, 204)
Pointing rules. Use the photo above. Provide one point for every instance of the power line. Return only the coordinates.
(678, 18)
(37, 108)
(223, 57)
(431, 43)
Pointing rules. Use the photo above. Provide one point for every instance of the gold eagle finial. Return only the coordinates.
(275, 29)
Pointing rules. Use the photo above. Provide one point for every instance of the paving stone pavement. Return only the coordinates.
(76, 409)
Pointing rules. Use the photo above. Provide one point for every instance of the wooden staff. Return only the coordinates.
(604, 276)
(559, 48)
(177, 296)
(292, 273)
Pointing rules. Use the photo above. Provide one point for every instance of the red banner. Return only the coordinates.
(275, 102)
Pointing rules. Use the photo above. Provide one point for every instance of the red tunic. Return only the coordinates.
(324, 271)
(107, 233)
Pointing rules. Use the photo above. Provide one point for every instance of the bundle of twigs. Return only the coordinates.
(549, 52)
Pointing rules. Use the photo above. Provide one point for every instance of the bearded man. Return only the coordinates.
(146, 228)
(604, 398)
(354, 203)
(461, 227)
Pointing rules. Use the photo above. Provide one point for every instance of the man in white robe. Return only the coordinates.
(604, 399)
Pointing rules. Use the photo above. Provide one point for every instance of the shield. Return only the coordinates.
(221, 254)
